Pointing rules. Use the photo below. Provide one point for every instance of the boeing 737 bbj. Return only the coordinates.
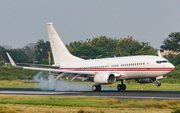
(144, 69)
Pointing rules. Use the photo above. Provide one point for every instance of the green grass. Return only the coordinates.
(47, 104)
(17, 84)
(87, 102)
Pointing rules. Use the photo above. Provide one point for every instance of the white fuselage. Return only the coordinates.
(124, 67)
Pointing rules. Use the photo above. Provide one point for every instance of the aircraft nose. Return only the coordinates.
(172, 66)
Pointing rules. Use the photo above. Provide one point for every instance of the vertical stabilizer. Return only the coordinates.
(59, 50)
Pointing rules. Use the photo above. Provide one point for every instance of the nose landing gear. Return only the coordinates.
(158, 83)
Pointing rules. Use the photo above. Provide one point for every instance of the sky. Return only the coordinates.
(24, 21)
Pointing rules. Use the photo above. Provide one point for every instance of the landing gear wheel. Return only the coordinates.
(158, 83)
(96, 88)
(99, 88)
(121, 87)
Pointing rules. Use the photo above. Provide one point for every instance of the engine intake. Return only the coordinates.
(105, 78)
(146, 80)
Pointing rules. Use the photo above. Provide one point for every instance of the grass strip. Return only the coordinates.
(23, 108)
(87, 102)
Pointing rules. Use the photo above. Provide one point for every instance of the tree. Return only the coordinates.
(74, 45)
(104, 43)
(2, 54)
(87, 52)
(30, 52)
(172, 42)
(129, 46)
(18, 55)
(109, 47)
(41, 50)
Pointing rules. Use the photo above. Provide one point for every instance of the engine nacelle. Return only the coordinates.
(146, 80)
(105, 78)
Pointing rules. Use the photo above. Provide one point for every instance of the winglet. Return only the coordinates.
(11, 60)
(159, 54)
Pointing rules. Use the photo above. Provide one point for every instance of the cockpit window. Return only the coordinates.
(158, 62)
(162, 61)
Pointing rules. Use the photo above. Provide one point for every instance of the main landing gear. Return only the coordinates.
(121, 87)
(96, 88)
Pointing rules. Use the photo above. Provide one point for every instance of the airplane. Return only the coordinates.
(143, 68)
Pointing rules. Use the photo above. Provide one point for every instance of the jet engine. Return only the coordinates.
(146, 80)
(104, 78)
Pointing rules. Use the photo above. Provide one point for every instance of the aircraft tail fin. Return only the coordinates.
(59, 50)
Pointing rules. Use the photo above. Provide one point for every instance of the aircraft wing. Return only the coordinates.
(39, 65)
(46, 69)
(59, 70)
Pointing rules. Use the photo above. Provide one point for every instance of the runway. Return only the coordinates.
(129, 94)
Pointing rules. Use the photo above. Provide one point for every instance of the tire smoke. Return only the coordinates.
(42, 81)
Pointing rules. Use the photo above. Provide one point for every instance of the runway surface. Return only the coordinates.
(129, 94)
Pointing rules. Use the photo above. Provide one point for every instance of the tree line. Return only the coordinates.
(103, 47)
(97, 47)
